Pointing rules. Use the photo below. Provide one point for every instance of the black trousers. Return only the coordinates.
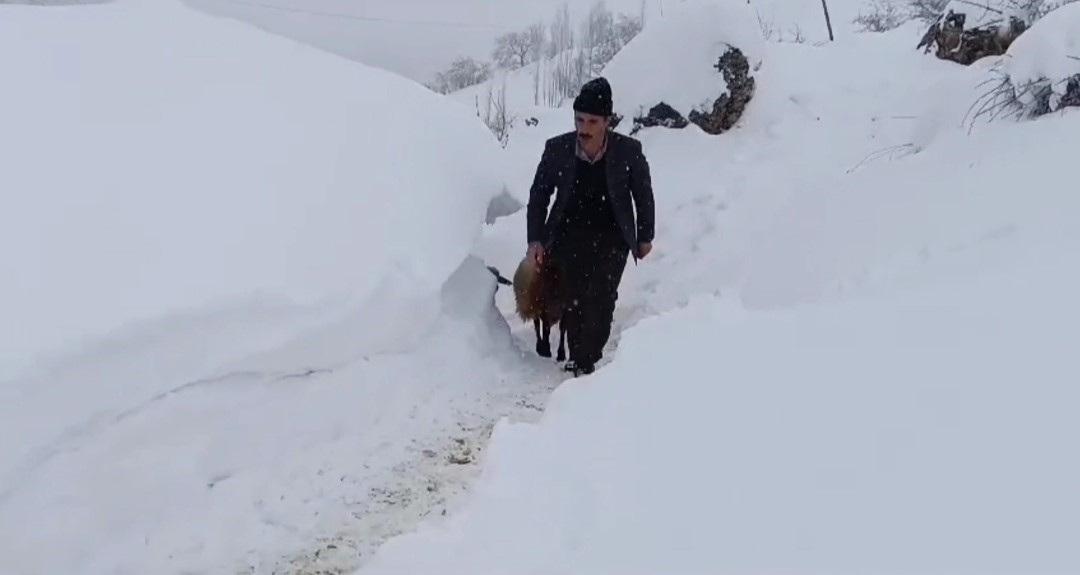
(592, 264)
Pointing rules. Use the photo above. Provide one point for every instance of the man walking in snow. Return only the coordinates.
(601, 177)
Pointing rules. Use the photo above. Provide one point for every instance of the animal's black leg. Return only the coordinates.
(543, 346)
(562, 340)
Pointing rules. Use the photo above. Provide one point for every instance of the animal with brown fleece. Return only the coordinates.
(539, 298)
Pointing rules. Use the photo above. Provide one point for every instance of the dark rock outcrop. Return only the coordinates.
(726, 110)
(661, 115)
(1072, 93)
(729, 107)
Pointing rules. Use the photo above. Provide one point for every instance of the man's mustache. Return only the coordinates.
(584, 136)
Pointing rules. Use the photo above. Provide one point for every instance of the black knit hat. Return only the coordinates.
(595, 98)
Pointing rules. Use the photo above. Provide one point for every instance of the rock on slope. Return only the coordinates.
(692, 66)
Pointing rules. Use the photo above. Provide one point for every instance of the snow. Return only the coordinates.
(242, 330)
(791, 20)
(183, 177)
(674, 59)
(286, 465)
(416, 39)
(849, 351)
(1048, 52)
(987, 13)
(798, 441)
(846, 456)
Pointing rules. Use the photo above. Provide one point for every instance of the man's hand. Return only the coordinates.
(536, 253)
(643, 249)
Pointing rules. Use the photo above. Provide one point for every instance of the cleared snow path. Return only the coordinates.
(259, 461)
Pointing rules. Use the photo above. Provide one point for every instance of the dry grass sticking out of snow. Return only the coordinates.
(1043, 64)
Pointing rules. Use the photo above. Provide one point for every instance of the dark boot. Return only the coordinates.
(578, 370)
(597, 302)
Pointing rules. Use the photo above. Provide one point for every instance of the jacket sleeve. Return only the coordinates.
(543, 186)
(641, 189)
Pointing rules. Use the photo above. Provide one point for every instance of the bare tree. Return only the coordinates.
(512, 50)
(495, 115)
(462, 73)
(603, 35)
(627, 27)
(561, 79)
(562, 32)
(927, 11)
(597, 40)
(881, 16)
(537, 34)
(572, 59)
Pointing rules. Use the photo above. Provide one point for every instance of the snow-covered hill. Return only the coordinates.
(417, 38)
(849, 352)
(239, 317)
(527, 91)
(257, 274)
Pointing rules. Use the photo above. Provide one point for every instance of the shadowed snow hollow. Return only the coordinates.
(157, 159)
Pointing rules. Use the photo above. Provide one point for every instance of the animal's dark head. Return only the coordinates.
(498, 276)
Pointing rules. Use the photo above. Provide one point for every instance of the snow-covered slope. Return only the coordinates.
(417, 38)
(860, 362)
(862, 359)
(240, 323)
(179, 177)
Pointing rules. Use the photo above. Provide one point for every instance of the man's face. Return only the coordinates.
(590, 127)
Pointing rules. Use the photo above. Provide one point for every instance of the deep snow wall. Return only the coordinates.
(159, 160)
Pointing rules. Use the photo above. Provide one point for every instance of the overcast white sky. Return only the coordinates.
(416, 38)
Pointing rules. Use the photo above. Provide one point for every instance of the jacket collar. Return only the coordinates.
(580, 153)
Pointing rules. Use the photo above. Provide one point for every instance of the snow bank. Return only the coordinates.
(965, 197)
(842, 458)
(922, 427)
(284, 466)
(892, 395)
(147, 174)
(253, 260)
(1048, 54)
(674, 59)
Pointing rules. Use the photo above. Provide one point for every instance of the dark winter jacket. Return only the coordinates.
(629, 186)
(589, 208)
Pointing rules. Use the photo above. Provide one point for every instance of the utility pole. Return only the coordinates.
(828, 22)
